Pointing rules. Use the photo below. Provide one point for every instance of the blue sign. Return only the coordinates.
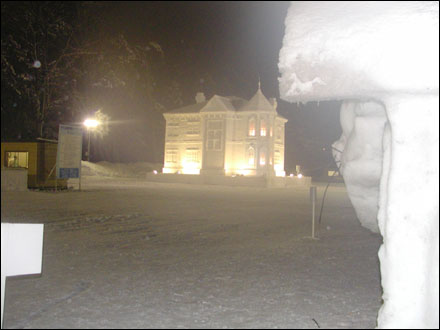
(69, 152)
(66, 173)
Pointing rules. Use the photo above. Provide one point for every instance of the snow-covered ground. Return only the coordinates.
(126, 253)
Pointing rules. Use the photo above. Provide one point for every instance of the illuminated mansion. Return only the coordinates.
(225, 136)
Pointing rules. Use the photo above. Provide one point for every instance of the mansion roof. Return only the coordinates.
(230, 103)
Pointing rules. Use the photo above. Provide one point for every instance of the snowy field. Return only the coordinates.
(126, 253)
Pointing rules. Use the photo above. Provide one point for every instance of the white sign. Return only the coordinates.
(22, 251)
(69, 152)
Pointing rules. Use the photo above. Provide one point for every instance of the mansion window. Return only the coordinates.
(277, 157)
(193, 120)
(279, 133)
(192, 155)
(214, 135)
(171, 156)
(193, 131)
(252, 125)
(263, 128)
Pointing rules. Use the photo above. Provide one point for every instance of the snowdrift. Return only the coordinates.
(121, 170)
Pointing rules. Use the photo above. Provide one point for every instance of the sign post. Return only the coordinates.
(69, 152)
(22, 251)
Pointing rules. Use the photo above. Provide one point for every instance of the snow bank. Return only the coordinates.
(383, 58)
(14, 179)
(122, 170)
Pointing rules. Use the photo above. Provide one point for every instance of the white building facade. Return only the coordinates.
(225, 136)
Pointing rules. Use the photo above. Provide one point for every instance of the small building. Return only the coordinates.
(37, 157)
(225, 136)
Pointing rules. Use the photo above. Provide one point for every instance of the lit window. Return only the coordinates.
(171, 156)
(262, 157)
(192, 155)
(252, 127)
(277, 157)
(17, 159)
(251, 157)
(263, 129)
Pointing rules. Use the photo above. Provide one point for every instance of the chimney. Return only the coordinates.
(200, 97)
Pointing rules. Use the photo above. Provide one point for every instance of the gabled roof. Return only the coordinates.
(218, 103)
(237, 102)
(192, 108)
(258, 102)
(228, 103)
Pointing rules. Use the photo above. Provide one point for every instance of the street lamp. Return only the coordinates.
(90, 124)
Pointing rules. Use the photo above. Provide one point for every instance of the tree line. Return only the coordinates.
(60, 61)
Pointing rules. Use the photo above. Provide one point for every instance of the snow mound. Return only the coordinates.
(120, 170)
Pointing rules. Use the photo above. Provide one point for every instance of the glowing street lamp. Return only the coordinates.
(90, 124)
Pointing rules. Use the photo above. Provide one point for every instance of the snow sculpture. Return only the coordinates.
(358, 152)
(22, 247)
(383, 59)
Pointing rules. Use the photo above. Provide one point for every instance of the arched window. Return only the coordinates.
(251, 156)
(252, 127)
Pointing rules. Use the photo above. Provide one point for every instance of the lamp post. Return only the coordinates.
(90, 124)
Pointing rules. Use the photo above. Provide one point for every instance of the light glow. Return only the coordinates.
(189, 166)
(91, 123)
(190, 171)
(245, 172)
(262, 158)
(251, 160)
(280, 173)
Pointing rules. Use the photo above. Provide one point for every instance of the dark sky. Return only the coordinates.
(224, 48)
(235, 42)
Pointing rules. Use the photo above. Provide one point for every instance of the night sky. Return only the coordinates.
(233, 44)
(219, 48)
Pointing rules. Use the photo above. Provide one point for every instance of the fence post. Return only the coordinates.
(313, 200)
